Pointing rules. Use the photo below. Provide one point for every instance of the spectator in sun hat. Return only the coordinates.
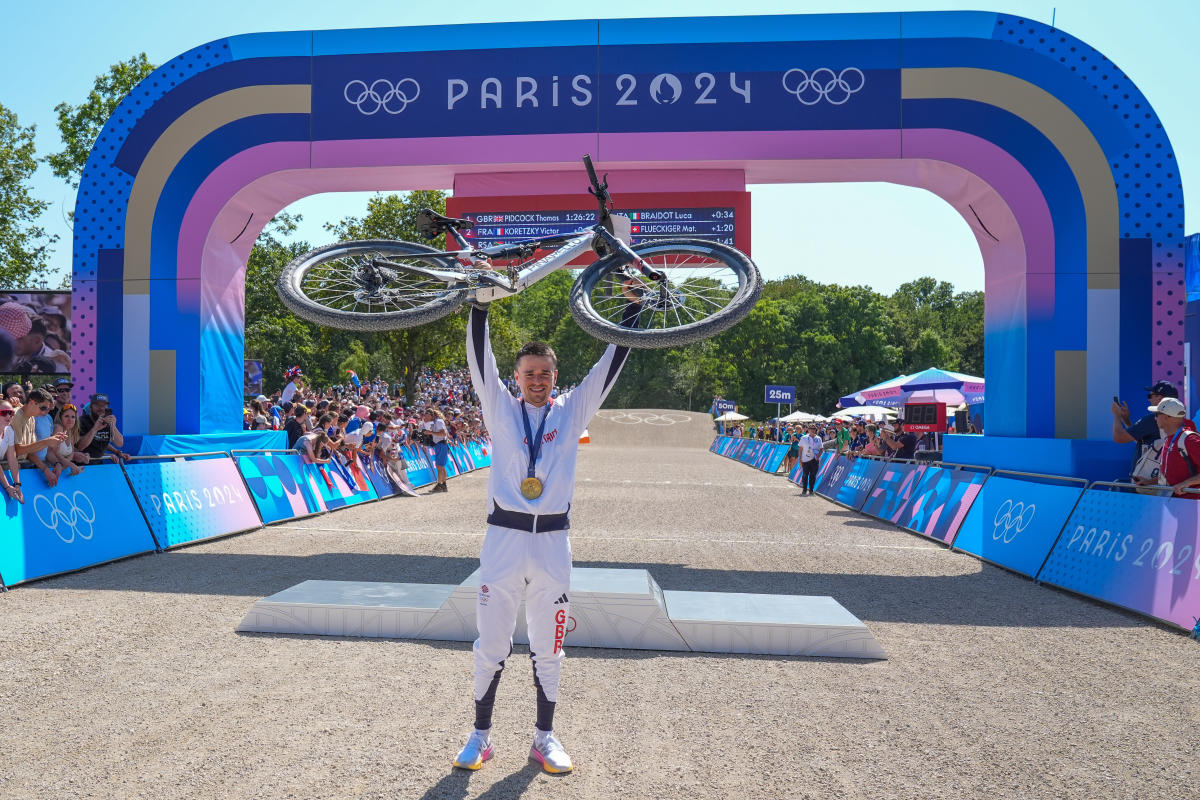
(1180, 457)
(14, 319)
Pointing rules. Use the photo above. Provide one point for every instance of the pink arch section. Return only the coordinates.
(977, 178)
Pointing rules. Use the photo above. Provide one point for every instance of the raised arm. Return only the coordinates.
(485, 375)
(589, 395)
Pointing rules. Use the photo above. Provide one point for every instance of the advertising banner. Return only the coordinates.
(848, 480)
(1133, 550)
(462, 458)
(940, 501)
(481, 453)
(376, 472)
(279, 486)
(419, 468)
(86, 519)
(894, 490)
(341, 485)
(770, 458)
(451, 465)
(798, 470)
(1015, 522)
(185, 501)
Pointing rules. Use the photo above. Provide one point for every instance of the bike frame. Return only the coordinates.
(499, 285)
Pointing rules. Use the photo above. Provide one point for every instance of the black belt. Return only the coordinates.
(533, 523)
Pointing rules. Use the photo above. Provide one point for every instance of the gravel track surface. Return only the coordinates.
(128, 680)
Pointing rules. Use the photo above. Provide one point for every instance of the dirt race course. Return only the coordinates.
(128, 680)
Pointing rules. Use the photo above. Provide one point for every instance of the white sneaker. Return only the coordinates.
(549, 752)
(477, 750)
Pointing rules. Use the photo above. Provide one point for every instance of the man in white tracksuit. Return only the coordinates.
(526, 551)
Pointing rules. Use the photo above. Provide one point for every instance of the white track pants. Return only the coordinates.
(512, 565)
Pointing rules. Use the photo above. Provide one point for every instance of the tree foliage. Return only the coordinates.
(826, 339)
(24, 245)
(80, 125)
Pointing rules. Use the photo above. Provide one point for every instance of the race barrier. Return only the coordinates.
(797, 471)
(419, 468)
(85, 520)
(847, 481)
(341, 485)
(186, 501)
(1017, 517)
(940, 500)
(767, 456)
(158, 502)
(278, 484)
(1136, 551)
(1104, 541)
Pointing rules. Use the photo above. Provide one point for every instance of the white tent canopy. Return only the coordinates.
(871, 412)
(731, 416)
(802, 416)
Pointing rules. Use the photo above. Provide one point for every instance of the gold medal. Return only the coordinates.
(531, 488)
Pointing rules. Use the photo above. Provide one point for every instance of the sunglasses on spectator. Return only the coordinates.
(44, 408)
(69, 407)
(62, 389)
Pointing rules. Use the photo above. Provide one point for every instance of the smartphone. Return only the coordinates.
(1116, 400)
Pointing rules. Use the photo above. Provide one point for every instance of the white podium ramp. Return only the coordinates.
(619, 608)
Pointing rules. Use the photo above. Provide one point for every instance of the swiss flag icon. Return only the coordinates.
(635, 228)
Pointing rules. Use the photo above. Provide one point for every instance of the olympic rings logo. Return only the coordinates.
(1012, 518)
(824, 84)
(634, 418)
(68, 517)
(369, 98)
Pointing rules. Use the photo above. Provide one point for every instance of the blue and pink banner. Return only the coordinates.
(87, 519)
(1132, 550)
(185, 501)
(891, 494)
(848, 480)
(1015, 521)
(279, 486)
(767, 456)
(940, 501)
(341, 485)
(419, 468)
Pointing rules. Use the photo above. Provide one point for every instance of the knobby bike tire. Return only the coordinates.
(739, 305)
(440, 304)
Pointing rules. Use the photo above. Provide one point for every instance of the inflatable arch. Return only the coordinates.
(1046, 149)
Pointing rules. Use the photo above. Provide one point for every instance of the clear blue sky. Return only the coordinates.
(875, 234)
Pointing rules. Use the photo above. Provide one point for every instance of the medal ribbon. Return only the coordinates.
(534, 443)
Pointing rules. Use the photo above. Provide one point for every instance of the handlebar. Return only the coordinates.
(599, 190)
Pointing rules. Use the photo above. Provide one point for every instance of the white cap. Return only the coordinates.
(1170, 406)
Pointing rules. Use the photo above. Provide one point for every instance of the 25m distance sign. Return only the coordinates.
(648, 224)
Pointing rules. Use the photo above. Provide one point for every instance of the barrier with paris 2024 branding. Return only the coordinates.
(1017, 518)
(341, 484)
(87, 519)
(767, 456)
(847, 480)
(940, 500)
(893, 490)
(279, 486)
(1137, 551)
(419, 468)
(185, 501)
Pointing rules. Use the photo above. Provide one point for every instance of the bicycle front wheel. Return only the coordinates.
(368, 286)
(709, 287)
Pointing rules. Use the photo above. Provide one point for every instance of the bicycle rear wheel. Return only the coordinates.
(365, 286)
(709, 287)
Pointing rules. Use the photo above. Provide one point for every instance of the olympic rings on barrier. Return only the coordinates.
(634, 418)
(368, 99)
(76, 512)
(1012, 515)
(824, 84)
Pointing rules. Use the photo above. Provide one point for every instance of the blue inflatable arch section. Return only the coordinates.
(1048, 151)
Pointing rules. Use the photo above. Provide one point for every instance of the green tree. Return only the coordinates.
(80, 125)
(24, 245)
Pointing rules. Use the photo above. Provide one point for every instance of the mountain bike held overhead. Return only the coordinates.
(683, 290)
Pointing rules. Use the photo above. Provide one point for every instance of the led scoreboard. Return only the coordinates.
(715, 216)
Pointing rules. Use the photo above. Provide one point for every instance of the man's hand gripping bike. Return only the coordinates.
(685, 290)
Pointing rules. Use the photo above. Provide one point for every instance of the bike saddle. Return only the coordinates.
(430, 223)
